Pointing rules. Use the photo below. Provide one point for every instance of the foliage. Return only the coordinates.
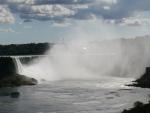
(24, 49)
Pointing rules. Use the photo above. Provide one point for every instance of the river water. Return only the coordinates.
(73, 96)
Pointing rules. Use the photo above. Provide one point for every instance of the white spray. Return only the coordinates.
(86, 59)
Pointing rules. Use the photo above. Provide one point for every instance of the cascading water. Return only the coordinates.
(18, 65)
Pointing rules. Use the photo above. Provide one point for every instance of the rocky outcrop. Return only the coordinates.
(139, 108)
(17, 80)
(9, 76)
(144, 80)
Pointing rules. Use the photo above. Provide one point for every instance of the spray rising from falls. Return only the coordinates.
(82, 59)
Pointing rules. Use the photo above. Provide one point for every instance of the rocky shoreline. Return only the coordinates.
(139, 108)
(9, 76)
(143, 82)
(17, 80)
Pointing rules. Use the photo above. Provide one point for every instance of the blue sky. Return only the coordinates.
(25, 21)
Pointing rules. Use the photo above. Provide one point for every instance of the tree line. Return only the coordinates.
(25, 49)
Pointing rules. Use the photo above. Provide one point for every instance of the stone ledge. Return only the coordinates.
(17, 80)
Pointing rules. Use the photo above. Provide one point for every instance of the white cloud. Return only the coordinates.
(52, 10)
(108, 1)
(20, 1)
(64, 24)
(130, 22)
(58, 10)
(75, 7)
(106, 7)
(7, 30)
(44, 12)
(5, 15)
(135, 22)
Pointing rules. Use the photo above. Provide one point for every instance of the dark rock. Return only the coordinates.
(7, 67)
(139, 108)
(9, 76)
(14, 94)
(10, 92)
(143, 81)
(17, 80)
(148, 70)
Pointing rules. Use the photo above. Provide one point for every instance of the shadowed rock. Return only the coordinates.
(7, 67)
(139, 107)
(144, 80)
(14, 94)
(9, 76)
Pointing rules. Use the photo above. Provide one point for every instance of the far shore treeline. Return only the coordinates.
(25, 49)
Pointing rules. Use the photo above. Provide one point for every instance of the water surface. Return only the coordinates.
(72, 96)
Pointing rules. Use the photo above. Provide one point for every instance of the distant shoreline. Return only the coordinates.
(25, 49)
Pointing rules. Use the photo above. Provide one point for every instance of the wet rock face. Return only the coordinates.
(148, 71)
(9, 76)
(7, 67)
(144, 80)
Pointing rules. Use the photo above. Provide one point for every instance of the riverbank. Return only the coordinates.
(139, 108)
(17, 80)
(143, 82)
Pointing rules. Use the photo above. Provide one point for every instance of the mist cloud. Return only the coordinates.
(86, 59)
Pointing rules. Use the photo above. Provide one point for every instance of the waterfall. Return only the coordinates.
(18, 65)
